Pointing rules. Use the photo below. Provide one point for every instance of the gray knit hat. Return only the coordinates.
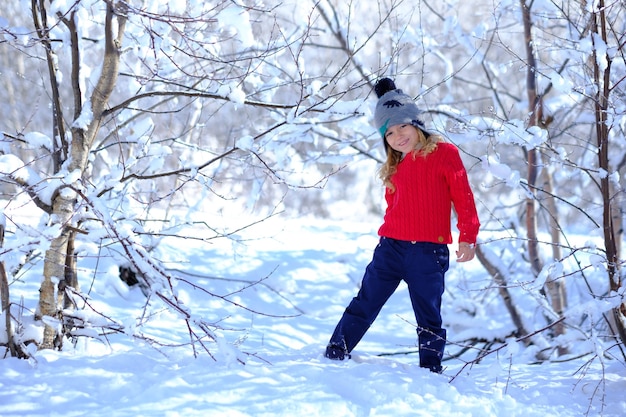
(394, 108)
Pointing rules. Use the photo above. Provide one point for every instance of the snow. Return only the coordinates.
(237, 19)
(492, 165)
(270, 295)
(272, 364)
(245, 143)
(38, 139)
(85, 117)
(233, 92)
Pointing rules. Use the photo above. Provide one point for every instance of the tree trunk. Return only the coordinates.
(535, 105)
(5, 300)
(70, 277)
(555, 288)
(50, 301)
(603, 90)
(499, 279)
(54, 272)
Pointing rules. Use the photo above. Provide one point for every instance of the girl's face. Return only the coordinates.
(402, 138)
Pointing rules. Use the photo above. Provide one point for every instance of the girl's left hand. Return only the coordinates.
(466, 252)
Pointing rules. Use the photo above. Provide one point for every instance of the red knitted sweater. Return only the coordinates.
(426, 188)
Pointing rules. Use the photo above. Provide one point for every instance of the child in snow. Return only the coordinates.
(424, 176)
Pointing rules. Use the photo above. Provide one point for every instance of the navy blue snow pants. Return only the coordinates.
(422, 265)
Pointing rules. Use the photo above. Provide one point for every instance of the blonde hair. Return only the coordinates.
(427, 143)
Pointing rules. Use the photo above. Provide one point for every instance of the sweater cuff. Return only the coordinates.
(466, 238)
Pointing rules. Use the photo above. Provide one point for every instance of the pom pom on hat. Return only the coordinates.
(394, 108)
(383, 86)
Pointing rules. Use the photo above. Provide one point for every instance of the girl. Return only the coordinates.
(424, 177)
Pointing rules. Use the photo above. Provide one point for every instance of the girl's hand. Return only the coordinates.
(466, 252)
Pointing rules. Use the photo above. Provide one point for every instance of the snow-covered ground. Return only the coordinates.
(310, 270)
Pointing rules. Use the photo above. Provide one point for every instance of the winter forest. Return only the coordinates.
(135, 130)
